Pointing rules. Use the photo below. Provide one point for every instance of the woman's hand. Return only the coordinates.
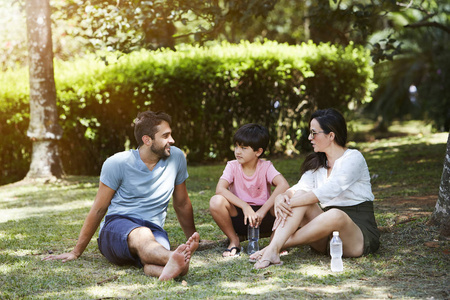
(282, 210)
(282, 206)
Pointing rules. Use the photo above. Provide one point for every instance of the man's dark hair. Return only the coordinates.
(252, 135)
(146, 123)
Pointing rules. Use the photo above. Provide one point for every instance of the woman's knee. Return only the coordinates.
(337, 217)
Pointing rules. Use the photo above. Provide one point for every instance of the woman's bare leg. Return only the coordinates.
(271, 254)
(316, 227)
(316, 232)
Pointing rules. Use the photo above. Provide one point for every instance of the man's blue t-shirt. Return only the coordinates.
(141, 193)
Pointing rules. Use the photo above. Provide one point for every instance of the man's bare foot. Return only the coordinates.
(192, 243)
(177, 263)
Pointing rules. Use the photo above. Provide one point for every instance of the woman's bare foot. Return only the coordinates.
(268, 258)
(265, 263)
(177, 263)
(257, 255)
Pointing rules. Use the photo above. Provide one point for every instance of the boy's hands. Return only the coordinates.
(261, 216)
(251, 216)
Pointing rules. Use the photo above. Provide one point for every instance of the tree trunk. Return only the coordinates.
(44, 129)
(441, 214)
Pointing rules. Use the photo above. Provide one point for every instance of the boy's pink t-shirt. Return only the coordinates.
(256, 189)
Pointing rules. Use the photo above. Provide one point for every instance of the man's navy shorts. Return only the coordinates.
(113, 238)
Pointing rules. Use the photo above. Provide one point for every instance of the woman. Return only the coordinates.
(338, 179)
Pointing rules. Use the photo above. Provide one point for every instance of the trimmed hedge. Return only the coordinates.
(209, 92)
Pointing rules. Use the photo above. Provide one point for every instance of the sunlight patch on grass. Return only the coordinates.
(242, 288)
(14, 267)
(438, 138)
(239, 285)
(119, 290)
(391, 144)
(317, 271)
(6, 269)
(19, 253)
(18, 236)
(26, 212)
(411, 127)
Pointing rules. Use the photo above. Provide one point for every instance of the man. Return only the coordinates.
(134, 191)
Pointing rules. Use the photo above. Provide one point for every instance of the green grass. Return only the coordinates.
(37, 219)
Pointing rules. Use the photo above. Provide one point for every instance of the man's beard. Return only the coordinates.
(161, 152)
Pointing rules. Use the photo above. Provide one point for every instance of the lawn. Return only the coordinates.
(412, 262)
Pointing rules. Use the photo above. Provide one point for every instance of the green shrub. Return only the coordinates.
(209, 92)
(15, 146)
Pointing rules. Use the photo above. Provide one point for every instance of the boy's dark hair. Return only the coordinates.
(146, 123)
(252, 135)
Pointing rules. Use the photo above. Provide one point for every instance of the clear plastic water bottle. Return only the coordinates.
(336, 253)
(253, 239)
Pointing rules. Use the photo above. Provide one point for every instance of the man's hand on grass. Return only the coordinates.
(63, 257)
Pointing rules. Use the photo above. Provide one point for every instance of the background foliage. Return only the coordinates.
(209, 92)
(407, 38)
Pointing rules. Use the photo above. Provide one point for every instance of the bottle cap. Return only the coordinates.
(335, 233)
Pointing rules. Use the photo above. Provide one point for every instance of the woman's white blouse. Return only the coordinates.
(347, 185)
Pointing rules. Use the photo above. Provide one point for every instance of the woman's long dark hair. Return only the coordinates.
(330, 120)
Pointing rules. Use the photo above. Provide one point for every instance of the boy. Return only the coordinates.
(243, 191)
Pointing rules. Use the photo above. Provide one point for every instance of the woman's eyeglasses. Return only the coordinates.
(313, 133)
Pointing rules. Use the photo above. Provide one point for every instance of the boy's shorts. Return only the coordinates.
(113, 238)
(265, 228)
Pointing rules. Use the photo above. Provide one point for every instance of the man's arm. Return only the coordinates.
(183, 208)
(91, 223)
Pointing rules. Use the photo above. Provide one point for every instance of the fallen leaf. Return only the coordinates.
(432, 244)
(364, 279)
(267, 274)
(107, 280)
(184, 283)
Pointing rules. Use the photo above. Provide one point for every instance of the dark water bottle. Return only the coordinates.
(253, 239)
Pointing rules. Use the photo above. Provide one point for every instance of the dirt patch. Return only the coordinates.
(406, 209)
